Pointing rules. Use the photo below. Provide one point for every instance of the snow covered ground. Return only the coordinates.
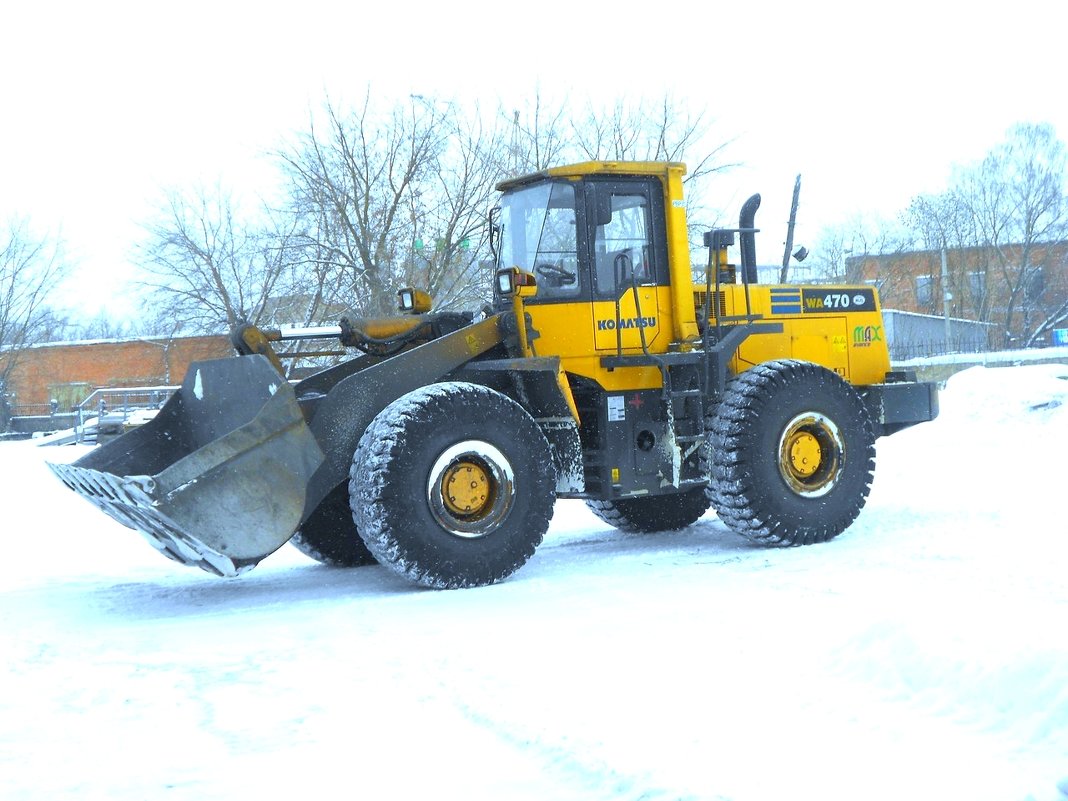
(921, 655)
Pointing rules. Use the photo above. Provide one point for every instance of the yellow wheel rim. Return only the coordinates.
(466, 489)
(471, 489)
(811, 454)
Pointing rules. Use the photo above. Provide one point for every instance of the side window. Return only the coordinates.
(622, 246)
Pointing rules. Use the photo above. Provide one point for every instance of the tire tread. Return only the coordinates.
(741, 504)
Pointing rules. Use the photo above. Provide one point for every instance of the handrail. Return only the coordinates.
(158, 393)
(126, 392)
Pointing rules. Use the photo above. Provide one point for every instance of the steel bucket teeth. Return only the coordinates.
(217, 480)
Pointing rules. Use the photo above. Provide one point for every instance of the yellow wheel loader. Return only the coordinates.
(607, 369)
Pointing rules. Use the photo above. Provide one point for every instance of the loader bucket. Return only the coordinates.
(217, 479)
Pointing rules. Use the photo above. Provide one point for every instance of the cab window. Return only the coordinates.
(622, 247)
(539, 234)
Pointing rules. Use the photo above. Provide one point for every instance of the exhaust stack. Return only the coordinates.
(747, 239)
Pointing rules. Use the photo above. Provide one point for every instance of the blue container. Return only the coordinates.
(1060, 336)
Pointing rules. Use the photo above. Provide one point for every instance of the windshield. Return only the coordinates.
(538, 235)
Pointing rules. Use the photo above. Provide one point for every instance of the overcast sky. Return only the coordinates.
(105, 104)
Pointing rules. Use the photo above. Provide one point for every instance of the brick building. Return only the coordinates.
(985, 284)
(70, 371)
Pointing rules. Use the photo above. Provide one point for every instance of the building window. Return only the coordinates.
(1035, 284)
(925, 290)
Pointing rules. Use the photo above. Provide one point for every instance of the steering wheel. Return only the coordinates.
(557, 272)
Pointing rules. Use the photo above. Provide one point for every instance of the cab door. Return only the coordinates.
(628, 259)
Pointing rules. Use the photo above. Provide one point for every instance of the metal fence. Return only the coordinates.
(905, 349)
(921, 349)
(113, 398)
(111, 406)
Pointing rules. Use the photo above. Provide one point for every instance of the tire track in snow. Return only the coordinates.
(589, 774)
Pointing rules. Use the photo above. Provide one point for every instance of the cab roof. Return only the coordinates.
(585, 168)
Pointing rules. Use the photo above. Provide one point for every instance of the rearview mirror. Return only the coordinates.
(603, 210)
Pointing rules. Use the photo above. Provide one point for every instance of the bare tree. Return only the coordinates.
(394, 198)
(864, 250)
(453, 213)
(539, 136)
(1017, 196)
(210, 267)
(999, 224)
(30, 267)
(544, 135)
(350, 184)
(55, 325)
(102, 326)
(945, 224)
(378, 198)
(651, 132)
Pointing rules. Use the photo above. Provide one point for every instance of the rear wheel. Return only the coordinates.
(453, 485)
(329, 535)
(653, 513)
(793, 453)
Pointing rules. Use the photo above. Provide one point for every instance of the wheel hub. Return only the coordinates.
(466, 488)
(811, 454)
(805, 454)
(471, 488)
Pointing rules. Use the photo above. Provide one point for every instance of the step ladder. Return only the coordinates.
(685, 444)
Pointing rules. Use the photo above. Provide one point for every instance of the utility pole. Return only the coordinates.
(947, 296)
(790, 232)
(515, 143)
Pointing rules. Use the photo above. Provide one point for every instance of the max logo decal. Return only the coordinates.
(628, 322)
(864, 335)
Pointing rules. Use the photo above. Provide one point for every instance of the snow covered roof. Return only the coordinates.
(160, 340)
(934, 317)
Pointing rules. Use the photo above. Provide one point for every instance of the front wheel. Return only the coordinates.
(793, 453)
(453, 485)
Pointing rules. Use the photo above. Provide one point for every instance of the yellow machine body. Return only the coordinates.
(851, 343)
(838, 327)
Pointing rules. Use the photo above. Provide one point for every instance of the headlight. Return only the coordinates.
(513, 281)
(506, 282)
(414, 301)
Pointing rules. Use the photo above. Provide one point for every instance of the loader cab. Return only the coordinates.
(597, 246)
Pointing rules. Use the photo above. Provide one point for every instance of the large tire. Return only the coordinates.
(793, 453)
(329, 535)
(453, 485)
(653, 513)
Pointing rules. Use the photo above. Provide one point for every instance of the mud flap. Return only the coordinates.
(218, 479)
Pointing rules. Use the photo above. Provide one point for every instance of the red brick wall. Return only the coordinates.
(129, 363)
(897, 274)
